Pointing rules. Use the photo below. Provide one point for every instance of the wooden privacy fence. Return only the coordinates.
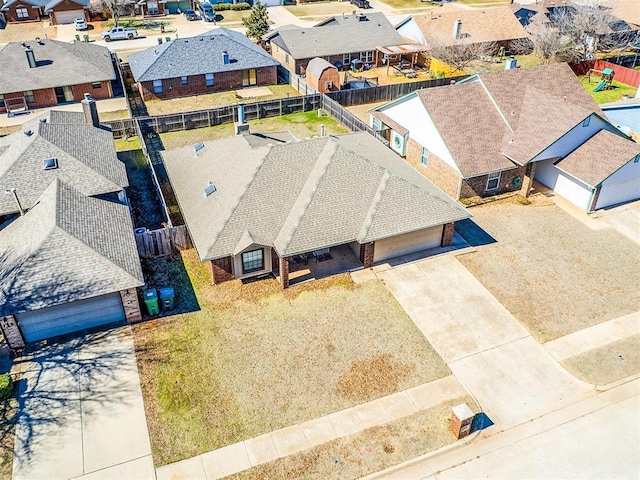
(165, 241)
(625, 75)
(348, 119)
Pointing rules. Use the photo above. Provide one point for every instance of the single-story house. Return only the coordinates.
(68, 256)
(497, 132)
(58, 11)
(253, 203)
(322, 75)
(339, 40)
(214, 61)
(452, 24)
(44, 73)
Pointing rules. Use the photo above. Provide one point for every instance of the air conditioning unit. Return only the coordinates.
(398, 143)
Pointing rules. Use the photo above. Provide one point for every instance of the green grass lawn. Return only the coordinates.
(605, 96)
(301, 125)
(255, 358)
(138, 23)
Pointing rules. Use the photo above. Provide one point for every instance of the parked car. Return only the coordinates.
(119, 33)
(361, 3)
(207, 12)
(191, 15)
(80, 24)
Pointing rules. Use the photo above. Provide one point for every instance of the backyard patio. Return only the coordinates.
(322, 264)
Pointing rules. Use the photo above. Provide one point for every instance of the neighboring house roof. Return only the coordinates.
(59, 64)
(67, 247)
(339, 189)
(86, 159)
(479, 25)
(339, 35)
(35, 3)
(54, 3)
(318, 65)
(198, 55)
(599, 157)
(626, 10)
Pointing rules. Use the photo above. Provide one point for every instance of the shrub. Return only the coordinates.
(222, 6)
(6, 386)
(240, 6)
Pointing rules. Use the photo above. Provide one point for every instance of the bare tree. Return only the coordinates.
(113, 8)
(548, 44)
(460, 53)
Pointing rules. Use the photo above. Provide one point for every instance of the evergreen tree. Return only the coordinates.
(257, 23)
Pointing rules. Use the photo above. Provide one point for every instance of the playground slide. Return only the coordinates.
(600, 86)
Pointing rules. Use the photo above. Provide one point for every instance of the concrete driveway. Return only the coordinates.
(81, 412)
(513, 377)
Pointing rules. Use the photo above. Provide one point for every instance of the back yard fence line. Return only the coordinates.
(625, 75)
(348, 119)
(122, 75)
(165, 241)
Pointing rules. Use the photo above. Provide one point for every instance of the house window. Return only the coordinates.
(1, 100)
(328, 85)
(366, 57)
(96, 85)
(424, 157)
(493, 180)
(585, 122)
(29, 96)
(22, 13)
(286, 58)
(252, 261)
(208, 79)
(157, 86)
(346, 59)
(184, 80)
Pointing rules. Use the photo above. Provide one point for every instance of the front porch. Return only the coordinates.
(322, 263)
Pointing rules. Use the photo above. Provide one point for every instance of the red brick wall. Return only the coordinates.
(447, 235)
(98, 93)
(476, 186)
(11, 16)
(65, 6)
(173, 87)
(222, 270)
(436, 170)
(47, 96)
(284, 272)
(366, 254)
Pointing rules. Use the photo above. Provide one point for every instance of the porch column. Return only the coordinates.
(447, 235)
(11, 332)
(527, 181)
(366, 254)
(284, 272)
(131, 305)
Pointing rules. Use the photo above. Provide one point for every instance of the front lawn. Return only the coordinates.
(301, 125)
(614, 94)
(256, 358)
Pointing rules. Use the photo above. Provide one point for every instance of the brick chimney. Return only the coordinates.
(90, 110)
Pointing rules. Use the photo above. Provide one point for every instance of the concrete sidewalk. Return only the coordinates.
(81, 411)
(288, 441)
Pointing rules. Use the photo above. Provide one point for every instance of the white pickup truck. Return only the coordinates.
(119, 33)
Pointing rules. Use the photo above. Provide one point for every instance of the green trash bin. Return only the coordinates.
(77, 37)
(85, 38)
(159, 40)
(167, 39)
(151, 300)
(166, 298)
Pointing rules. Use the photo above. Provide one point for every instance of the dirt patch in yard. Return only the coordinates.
(372, 377)
(367, 452)
(254, 359)
(555, 274)
(606, 364)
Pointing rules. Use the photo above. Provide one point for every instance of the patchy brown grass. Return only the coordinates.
(254, 358)
(609, 363)
(367, 452)
(8, 416)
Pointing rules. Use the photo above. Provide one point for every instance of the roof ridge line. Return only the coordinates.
(484, 87)
(373, 209)
(302, 201)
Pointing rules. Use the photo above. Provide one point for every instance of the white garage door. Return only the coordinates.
(407, 243)
(71, 317)
(576, 192)
(68, 16)
(618, 192)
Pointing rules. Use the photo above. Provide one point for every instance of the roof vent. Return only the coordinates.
(209, 189)
(39, 41)
(50, 163)
(198, 146)
(28, 133)
(43, 120)
(225, 57)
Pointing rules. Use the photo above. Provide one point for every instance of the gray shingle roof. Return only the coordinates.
(54, 3)
(599, 157)
(198, 55)
(339, 189)
(339, 35)
(35, 3)
(86, 158)
(59, 64)
(67, 247)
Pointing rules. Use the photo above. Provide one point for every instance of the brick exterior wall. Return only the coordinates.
(527, 179)
(66, 6)
(11, 332)
(366, 254)
(46, 97)
(594, 201)
(476, 186)
(447, 235)
(12, 17)
(275, 262)
(436, 170)
(196, 84)
(299, 66)
(131, 305)
(221, 270)
(284, 272)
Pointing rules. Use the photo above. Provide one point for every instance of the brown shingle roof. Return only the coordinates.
(470, 125)
(599, 157)
(478, 25)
